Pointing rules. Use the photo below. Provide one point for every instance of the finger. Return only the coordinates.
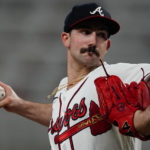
(2, 84)
(4, 102)
(7, 88)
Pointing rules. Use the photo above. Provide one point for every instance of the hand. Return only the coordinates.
(37, 112)
(11, 100)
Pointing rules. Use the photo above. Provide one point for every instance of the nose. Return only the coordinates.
(92, 39)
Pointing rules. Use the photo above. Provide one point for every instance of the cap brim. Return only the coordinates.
(112, 25)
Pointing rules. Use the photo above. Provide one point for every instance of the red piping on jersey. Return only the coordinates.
(75, 93)
(59, 117)
(70, 138)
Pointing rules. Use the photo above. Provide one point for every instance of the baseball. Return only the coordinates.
(2, 93)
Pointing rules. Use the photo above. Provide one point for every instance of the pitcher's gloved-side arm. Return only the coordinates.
(125, 105)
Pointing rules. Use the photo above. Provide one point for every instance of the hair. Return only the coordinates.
(60, 87)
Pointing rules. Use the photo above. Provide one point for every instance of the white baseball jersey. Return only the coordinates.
(74, 123)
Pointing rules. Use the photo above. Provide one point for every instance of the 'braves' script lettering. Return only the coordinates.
(76, 112)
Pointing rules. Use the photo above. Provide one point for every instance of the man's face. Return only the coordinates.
(87, 44)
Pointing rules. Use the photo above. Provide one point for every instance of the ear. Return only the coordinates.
(65, 37)
(108, 44)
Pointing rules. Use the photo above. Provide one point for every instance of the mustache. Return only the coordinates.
(91, 49)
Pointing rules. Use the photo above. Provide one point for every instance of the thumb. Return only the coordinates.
(4, 102)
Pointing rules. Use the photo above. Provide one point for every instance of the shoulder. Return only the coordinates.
(126, 71)
(129, 66)
(63, 81)
(130, 71)
(115, 69)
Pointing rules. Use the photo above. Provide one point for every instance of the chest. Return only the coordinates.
(75, 105)
(76, 111)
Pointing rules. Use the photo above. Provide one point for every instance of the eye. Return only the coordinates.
(102, 35)
(85, 31)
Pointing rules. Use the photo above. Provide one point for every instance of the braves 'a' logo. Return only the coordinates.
(99, 10)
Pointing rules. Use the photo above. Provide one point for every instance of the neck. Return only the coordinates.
(76, 72)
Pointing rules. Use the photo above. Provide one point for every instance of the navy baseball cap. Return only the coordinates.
(84, 12)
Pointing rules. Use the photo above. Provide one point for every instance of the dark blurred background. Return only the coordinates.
(33, 59)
